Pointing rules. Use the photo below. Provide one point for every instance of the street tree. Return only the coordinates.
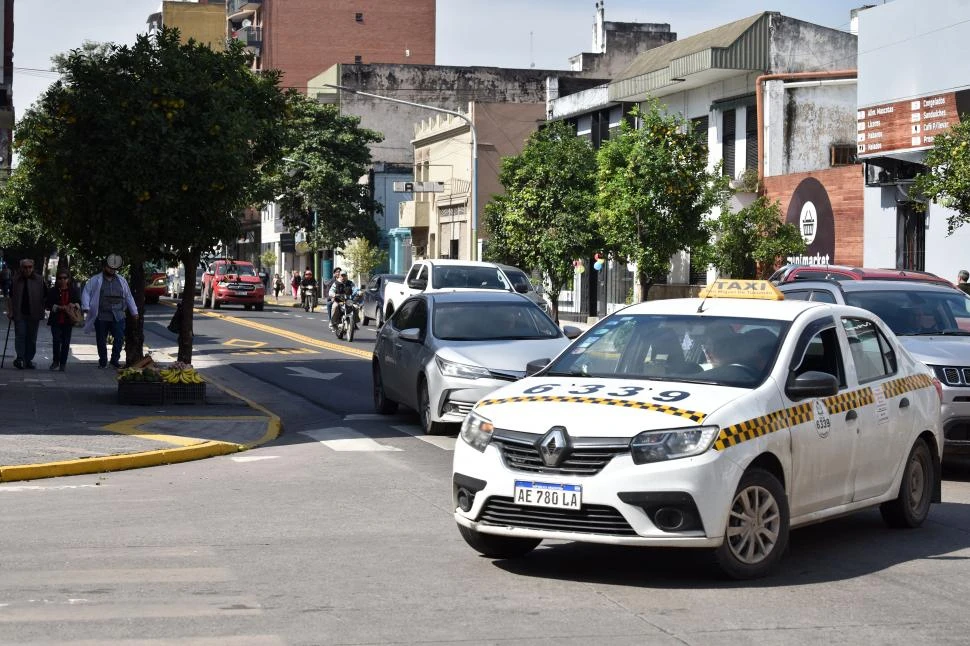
(948, 179)
(363, 257)
(151, 151)
(654, 192)
(322, 192)
(749, 243)
(544, 219)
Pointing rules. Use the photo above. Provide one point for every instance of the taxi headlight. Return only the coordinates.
(465, 371)
(476, 431)
(672, 443)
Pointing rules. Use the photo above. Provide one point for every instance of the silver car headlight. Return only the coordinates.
(463, 370)
(672, 443)
(476, 431)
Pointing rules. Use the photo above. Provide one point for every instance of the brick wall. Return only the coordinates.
(844, 185)
(304, 37)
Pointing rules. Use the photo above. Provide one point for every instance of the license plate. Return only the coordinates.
(241, 293)
(547, 494)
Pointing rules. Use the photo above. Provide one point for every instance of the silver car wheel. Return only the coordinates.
(754, 525)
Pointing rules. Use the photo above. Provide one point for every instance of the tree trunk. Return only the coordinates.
(135, 328)
(645, 283)
(188, 302)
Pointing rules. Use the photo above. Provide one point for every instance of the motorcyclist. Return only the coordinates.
(342, 289)
(308, 284)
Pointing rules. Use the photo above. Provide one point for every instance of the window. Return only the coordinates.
(728, 129)
(822, 354)
(413, 314)
(822, 296)
(358, 60)
(751, 138)
(910, 238)
(872, 354)
(699, 126)
(842, 154)
(359, 17)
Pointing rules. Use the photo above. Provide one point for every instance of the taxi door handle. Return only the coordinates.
(851, 416)
(904, 403)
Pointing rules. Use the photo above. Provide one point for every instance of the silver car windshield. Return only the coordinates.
(491, 322)
(914, 312)
(724, 351)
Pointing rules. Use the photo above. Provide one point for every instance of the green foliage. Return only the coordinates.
(150, 151)
(948, 179)
(363, 258)
(750, 243)
(335, 148)
(654, 192)
(543, 221)
(268, 258)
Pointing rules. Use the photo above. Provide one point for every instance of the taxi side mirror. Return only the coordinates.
(535, 366)
(572, 332)
(812, 384)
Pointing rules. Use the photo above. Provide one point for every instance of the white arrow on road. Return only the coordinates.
(313, 374)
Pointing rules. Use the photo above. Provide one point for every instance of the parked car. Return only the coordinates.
(714, 423)
(433, 275)
(441, 352)
(931, 321)
(372, 308)
(232, 282)
(156, 286)
(523, 285)
(792, 273)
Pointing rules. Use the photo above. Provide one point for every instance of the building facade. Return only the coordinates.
(914, 83)
(6, 88)
(201, 20)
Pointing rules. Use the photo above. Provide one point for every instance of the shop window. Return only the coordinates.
(911, 238)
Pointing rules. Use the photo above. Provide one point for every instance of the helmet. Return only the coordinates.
(113, 261)
(343, 273)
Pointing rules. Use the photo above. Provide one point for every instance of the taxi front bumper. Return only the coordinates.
(703, 485)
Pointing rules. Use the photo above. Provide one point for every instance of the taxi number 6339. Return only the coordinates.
(548, 494)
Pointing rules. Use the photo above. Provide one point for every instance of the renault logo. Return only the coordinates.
(552, 446)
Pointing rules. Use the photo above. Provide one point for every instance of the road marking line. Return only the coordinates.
(442, 442)
(252, 458)
(344, 438)
(367, 417)
(21, 488)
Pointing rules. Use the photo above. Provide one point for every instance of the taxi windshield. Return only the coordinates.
(724, 351)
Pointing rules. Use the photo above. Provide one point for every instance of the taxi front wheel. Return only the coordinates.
(912, 505)
(498, 547)
(757, 530)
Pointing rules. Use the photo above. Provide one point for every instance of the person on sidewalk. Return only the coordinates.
(25, 308)
(295, 284)
(103, 302)
(61, 299)
(277, 287)
(962, 277)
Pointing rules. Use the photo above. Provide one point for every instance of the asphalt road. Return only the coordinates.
(341, 533)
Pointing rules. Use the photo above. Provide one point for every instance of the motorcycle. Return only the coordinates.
(349, 315)
(309, 296)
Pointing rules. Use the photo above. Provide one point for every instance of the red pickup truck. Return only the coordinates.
(233, 282)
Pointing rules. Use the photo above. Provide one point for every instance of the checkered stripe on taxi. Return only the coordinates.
(847, 401)
(897, 387)
(692, 415)
(758, 426)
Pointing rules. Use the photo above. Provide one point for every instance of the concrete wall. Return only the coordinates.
(205, 23)
(803, 122)
(799, 46)
(622, 41)
(384, 178)
(302, 37)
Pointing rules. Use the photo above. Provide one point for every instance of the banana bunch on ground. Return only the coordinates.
(181, 376)
(138, 374)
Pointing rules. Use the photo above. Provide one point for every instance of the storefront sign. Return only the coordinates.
(811, 211)
(907, 125)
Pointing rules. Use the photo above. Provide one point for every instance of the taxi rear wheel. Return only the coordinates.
(757, 531)
(912, 505)
(498, 547)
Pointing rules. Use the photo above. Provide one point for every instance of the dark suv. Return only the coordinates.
(792, 273)
(931, 321)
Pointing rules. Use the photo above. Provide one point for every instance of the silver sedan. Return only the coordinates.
(442, 352)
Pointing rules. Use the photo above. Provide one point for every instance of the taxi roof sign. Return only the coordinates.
(754, 289)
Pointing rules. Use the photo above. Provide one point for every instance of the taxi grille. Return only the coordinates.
(586, 456)
(591, 519)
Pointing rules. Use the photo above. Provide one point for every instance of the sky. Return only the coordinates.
(501, 33)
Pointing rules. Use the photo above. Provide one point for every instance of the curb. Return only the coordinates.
(158, 457)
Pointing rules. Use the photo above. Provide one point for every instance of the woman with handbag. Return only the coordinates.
(64, 302)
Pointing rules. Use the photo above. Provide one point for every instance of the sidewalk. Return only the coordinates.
(70, 423)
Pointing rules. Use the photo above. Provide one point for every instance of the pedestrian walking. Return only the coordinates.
(295, 283)
(103, 302)
(64, 302)
(25, 308)
(277, 287)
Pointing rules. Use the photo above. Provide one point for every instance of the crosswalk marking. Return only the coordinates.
(252, 458)
(344, 438)
(441, 441)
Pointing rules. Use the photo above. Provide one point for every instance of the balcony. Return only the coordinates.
(250, 36)
(414, 214)
(235, 8)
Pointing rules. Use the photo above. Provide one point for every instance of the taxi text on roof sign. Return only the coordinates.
(757, 289)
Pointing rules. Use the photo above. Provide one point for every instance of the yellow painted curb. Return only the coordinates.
(117, 462)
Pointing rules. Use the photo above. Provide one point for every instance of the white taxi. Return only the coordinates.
(716, 422)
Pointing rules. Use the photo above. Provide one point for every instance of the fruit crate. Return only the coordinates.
(141, 393)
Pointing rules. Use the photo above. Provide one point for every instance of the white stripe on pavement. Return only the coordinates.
(441, 441)
(343, 438)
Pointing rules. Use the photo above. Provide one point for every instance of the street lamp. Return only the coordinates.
(316, 254)
(471, 126)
